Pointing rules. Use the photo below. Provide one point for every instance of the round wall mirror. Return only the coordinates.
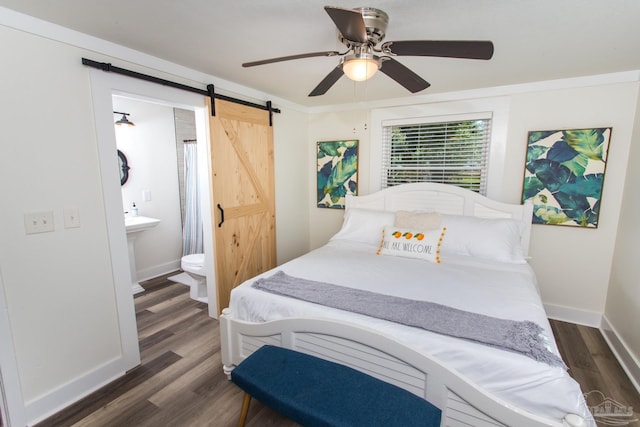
(124, 167)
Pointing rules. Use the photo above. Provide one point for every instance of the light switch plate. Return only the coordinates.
(38, 222)
(71, 217)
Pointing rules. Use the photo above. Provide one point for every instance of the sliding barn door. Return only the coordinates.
(243, 195)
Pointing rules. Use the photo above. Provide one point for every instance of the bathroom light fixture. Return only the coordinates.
(360, 66)
(123, 121)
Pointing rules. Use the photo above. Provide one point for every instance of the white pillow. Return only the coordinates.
(364, 225)
(418, 220)
(412, 243)
(495, 239)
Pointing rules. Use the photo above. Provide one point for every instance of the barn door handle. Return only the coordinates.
(221, 215)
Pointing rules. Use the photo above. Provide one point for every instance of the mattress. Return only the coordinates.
(502, 290)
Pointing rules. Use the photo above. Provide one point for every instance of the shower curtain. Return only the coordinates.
(192, 229)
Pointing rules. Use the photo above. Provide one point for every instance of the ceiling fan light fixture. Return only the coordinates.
(362, 30)
(361, 67)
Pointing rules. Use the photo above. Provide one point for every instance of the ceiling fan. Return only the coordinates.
(361, 30)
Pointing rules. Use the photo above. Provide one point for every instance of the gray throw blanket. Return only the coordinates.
(523, 337)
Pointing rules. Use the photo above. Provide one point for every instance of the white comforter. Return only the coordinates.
(495, 289)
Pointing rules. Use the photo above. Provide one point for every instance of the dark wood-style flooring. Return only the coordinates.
(180, 380)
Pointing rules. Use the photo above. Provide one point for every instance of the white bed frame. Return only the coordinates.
(461, 401)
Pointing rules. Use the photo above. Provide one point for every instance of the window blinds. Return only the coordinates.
(448, 152)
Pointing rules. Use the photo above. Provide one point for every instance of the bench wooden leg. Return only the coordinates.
(245, 409)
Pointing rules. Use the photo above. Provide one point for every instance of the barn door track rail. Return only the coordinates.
(210, 91)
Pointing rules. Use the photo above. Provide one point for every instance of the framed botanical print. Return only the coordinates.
(564, 175)
(337, 167)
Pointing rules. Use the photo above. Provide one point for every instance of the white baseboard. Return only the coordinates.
(43, 407)
(573, 315)
(158, 270)
(629, 362)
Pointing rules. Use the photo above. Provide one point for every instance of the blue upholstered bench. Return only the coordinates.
(316, 392)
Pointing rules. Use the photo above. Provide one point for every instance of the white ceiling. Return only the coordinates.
(534, 40)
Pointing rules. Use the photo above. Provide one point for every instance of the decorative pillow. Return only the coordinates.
(364, 225)
(418, 220)
(495, 239)
(412, 243)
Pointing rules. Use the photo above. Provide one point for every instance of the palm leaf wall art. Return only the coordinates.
(564, 175)
(337, 172)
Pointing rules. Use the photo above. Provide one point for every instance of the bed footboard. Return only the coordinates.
(461, 402)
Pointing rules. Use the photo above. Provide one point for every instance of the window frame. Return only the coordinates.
(486, 116)
(497, 108)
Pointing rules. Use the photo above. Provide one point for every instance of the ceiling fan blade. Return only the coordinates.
(328, 81)
(350, 23)
(443, 48)
(401, 74)
(289, 58)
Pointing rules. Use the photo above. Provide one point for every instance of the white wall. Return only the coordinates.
(290, 129)
(622, 312)
(334, 126)
(573, 265)
(60, 286)
(150, 147)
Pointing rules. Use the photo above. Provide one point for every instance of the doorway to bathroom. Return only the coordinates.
(104, 87)
(161, 181)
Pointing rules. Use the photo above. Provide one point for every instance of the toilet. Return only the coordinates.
(193, 265)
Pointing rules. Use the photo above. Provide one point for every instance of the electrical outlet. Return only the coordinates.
(71, 217)
(38, 222)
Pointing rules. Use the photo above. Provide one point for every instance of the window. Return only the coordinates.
(448, 152)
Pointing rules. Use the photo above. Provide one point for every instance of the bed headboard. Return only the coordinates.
(446, 199)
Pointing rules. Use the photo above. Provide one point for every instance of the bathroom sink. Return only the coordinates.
(134, 225)
(139, 223)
